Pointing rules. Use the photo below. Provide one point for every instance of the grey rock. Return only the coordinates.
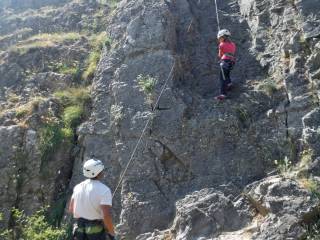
(197, 155)
(205, 214)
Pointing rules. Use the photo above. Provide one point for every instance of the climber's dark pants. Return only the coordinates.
(225, 69)
(88, 230)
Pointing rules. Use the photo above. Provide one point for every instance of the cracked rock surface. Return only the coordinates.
(204, 169)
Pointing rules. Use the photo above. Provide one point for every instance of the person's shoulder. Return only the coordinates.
(104, 188)
(79, 185)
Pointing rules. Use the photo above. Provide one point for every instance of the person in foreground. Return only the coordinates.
(90, 205)
(226, 55)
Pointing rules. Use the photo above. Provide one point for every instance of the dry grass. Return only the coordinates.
(23, 110)
(44, 40)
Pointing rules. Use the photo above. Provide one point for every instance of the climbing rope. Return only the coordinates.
(217, 14)
(170, 76)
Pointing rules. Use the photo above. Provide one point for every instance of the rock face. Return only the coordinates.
(194, 142)
(196, 155)
(274, 207)
(42, 54)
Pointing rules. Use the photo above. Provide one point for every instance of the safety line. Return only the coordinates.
(170, 76)
(217, 14)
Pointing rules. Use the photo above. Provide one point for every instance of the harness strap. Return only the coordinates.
(229, 55)
(90, 229)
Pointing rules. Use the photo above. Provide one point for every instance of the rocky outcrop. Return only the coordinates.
(197, 155)
(275, 209)
(194, 142)
(38, 141)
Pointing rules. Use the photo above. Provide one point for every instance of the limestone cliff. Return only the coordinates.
(205, 169)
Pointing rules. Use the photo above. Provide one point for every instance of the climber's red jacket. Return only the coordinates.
(227, 50)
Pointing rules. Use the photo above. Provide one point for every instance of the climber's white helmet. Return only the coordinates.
(223, 32)
(92, 168)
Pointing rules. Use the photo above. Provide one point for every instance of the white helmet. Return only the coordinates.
(223, 32)
(92, 168)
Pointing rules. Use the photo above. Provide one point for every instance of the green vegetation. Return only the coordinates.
(284, 166)
(65, 68)
(51, 135)
(27, 109)
(116, 113)
(34, 227)
(243, 114)
(97, 43)
(311, 185)
(146, 84)
(74, 101)
(73, 96)
(92, 62)
(313, 231)
(58, 130)
(44, 40)
(72, 116)
(306, 157)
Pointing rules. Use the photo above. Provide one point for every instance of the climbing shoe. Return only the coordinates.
(221, 97)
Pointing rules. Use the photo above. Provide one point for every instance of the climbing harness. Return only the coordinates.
(229, 55)
(170, 76)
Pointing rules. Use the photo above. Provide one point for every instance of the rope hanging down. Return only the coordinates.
(170, 76)
(217, 14)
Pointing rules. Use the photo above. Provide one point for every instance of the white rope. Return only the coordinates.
(170, 76)
(217, 14)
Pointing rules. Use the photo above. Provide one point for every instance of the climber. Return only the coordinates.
(90, 205)
(226, 55)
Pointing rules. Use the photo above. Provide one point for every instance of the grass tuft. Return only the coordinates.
(97, 43)
(73, 96)
(72, 116)
(44, 40)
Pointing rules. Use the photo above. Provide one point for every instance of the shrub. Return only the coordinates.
(146, 83)
(51, 135)
(34, 227)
